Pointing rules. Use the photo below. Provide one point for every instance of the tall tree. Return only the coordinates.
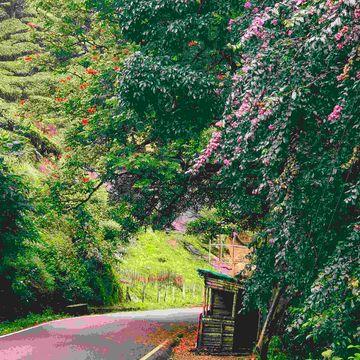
(289, 153)
(151, 112)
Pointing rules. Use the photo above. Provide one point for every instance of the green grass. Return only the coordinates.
(7, 327)
(155, 253)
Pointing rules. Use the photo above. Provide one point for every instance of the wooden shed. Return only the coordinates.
(221, 328)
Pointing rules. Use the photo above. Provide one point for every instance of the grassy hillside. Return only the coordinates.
(160, 272)
(23, 86)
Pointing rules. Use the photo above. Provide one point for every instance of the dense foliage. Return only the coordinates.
(48, 258)
(250, 108)
(142, 119)
(288, 145)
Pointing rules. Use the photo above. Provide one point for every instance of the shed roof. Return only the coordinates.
(216, 275)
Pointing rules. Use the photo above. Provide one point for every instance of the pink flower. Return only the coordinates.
(357, 13)
(338, 36)
(93, 175)
(227, 162)
(274, 22)
(247, 5)
(335, 114)
(342, 32)
(271, 127)
(238, 150)
(219, 124)
(266, 162)
(230, 24)
(345, 29)
(214, 143)
(244, 107)
(255, 121)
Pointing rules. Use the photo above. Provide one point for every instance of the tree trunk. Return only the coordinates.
(268, 326)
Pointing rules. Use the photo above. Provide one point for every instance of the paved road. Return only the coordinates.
(120, 336)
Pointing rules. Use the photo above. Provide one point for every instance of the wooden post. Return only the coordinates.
(204, 300)
(221, 335)
(193, 291)
(184, 291)
(209, 299)
(234, 304)
(233, 255)
(158, 292)
(173, 293)
(143, 292)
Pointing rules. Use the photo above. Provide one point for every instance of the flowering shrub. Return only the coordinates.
(290, 157)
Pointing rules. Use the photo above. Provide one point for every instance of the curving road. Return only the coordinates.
(115, 336)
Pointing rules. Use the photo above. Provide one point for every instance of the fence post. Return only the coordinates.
(143, 292)
(184, 291)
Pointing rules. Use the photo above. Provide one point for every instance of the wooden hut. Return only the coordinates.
(222, 329)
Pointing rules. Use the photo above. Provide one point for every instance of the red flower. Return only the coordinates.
(91, 71)
(85, 179)
(83, 86)
(22, 102)
(91, 110)
(85, 121)
(32, 25)
(59, 99)
(193, 43)
(27, 58)
(117, 68)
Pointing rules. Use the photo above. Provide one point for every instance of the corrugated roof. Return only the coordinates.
(217, 275)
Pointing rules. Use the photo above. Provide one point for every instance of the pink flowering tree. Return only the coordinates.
(290, 160)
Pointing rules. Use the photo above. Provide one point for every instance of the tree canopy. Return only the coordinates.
(249, 108)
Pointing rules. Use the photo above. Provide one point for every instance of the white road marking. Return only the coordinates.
(153, 351)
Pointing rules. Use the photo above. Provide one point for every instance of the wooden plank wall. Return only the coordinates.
(221, 284)
(217, 335)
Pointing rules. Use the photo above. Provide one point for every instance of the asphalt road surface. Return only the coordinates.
(115, 336)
